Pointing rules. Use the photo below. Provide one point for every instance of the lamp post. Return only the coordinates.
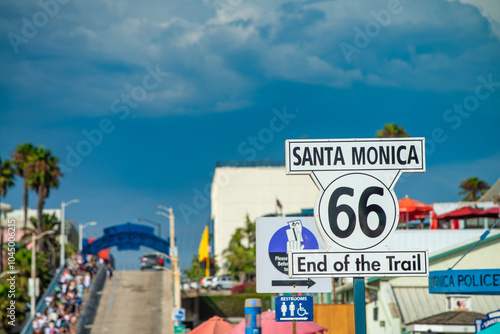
(62, 237)
(151, 222)
(80, 233)
(173, 254)
(5, 273)
(34, 238)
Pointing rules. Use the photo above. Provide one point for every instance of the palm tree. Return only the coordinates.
(6, 177)
(6, 181)
(20, 158)
(43, 174)
(473, 187)
(392, 130)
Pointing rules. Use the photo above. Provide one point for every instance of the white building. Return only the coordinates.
(254, 188)
(18, 216)
(404, 304)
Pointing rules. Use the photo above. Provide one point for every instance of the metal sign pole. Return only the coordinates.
(294, 323)
(359, 305)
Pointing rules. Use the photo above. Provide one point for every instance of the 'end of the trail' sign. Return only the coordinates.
(305, 156)
(358, 264)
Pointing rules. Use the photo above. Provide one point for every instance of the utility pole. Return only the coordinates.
(33, 296)
(62, 237)
(173, 254)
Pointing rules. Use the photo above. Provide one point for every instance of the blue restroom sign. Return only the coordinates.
(298, 308)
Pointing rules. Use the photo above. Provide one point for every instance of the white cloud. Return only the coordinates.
(490, 9)
(445, 178)
(218, 54)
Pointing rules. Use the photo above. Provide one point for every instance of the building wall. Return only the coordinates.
(401, 300)
(412, 293)
(387, 319)
(238, 191)
(481, 257)
(337, 318)
(18, 216)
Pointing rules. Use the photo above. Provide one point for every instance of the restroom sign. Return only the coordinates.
(357, 208)
(298, 308)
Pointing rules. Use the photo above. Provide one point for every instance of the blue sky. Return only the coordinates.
(140, 99)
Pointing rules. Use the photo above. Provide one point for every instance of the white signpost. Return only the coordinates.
(357, 210)
(179, 314)
(275, 236)
(358, 264)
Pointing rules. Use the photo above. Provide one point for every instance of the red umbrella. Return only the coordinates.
(271, 326)
(462, 213)
(492, 212)
(410, 209)
(214, 325)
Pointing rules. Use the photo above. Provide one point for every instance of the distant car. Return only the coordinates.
(153, 261)
(206, 282)
(222, 282)
(187, 284)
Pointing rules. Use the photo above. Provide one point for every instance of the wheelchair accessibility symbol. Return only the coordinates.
(301, 311)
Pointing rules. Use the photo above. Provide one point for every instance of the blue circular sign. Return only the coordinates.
(278, 247)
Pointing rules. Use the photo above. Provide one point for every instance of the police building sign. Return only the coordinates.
(357, 210)
(471, 282)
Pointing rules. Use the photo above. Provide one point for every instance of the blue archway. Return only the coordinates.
(127, 236)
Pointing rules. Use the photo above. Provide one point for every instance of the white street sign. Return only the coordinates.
(357, 211)
(312, 263)
(357, 208)
(275, 236)
(179, 314)
(311, 155)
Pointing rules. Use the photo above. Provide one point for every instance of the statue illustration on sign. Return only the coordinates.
(293, 236)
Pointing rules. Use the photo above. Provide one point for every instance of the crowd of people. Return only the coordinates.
(65, 303)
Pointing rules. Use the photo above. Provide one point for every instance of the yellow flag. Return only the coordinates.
(203, 249)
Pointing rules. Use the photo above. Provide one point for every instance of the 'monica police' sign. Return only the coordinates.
(475, 281)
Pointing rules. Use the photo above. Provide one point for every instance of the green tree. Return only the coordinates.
(473, 188)
(49, 241)
(6, 181)
(20, 159)
(43, 174)
(195, 272)
(392, 130)
(23, 265)
(240, 255)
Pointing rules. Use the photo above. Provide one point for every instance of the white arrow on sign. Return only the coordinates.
(356, 208)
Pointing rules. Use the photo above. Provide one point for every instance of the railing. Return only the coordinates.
(41, 305)
(92, 302)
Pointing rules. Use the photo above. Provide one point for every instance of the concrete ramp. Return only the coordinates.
(135, 302)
